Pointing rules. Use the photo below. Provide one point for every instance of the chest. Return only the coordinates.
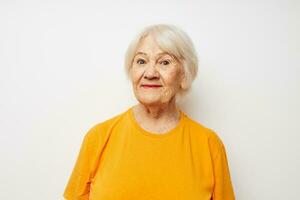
(133, 169)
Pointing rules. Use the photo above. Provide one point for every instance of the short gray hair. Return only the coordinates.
(174, 41)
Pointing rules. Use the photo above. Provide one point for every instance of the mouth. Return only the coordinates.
(151, 86)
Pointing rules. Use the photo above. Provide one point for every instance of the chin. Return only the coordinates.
(149, 101)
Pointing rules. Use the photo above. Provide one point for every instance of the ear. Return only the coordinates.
(183, 84)
(182, 79)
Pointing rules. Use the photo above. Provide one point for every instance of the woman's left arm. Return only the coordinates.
(223, 189)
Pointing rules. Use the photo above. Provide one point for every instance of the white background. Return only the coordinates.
(61, 72)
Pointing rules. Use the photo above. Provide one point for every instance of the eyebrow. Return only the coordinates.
(162, 53)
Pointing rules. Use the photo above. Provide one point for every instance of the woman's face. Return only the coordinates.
(156, 75)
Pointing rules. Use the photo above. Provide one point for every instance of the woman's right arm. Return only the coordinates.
(78, 186)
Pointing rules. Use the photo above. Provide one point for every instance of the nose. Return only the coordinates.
(151, 72)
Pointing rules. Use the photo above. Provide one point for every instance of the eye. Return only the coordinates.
(140, 61)
(165, 62)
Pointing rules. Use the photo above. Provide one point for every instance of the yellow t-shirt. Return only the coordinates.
(119, 160)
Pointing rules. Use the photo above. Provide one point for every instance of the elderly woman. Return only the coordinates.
(153, 150)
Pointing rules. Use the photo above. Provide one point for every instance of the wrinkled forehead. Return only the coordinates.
(161, 46)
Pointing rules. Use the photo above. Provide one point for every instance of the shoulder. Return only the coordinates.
(200, 128)
(206, 133)
(100, 130)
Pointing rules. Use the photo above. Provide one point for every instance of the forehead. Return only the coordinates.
(148, 46)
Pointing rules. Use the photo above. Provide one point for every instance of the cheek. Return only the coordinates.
(171, 79)
(136, 75)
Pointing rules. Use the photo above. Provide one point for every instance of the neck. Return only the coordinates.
(157, 113)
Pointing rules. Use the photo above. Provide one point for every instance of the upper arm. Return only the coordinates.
(78, 186)
(223, 189)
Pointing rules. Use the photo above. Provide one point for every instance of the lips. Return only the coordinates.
(151, 85)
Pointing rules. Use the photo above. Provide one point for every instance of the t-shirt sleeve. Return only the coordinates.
(78, 186)
(223, 189)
